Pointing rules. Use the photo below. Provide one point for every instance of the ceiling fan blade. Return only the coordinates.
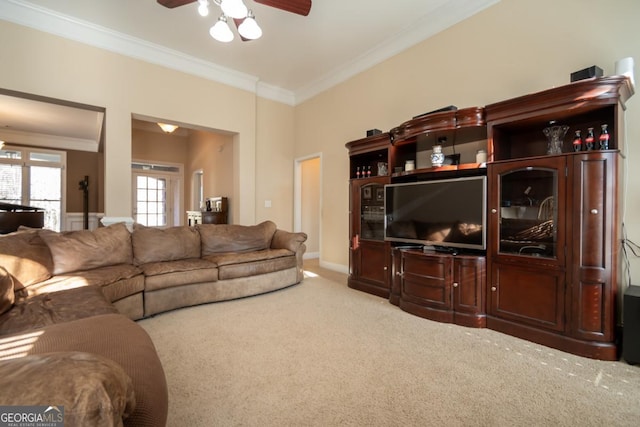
(300, 7)
(174, 3)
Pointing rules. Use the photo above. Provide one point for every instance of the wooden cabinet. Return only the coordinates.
(553, 218)
(554, 226)
(442, 287)
(369, 254)
(594, 247)
(527, 205)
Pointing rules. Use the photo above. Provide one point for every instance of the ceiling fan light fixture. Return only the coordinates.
(249, 28)
(203, 7)
(221, 31)
(234, 8)
(167, 128)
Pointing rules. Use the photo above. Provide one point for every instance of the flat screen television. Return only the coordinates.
(447, 214)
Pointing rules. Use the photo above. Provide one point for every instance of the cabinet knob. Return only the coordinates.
(494, 210)
(399, 274)
(594, 211)
(385, 268)
(455, 284)
(493, 289)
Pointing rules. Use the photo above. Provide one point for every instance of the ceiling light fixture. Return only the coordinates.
(234, 8)
(237, 10)
(203, 7)
(221, 31)
(249, 29)
(167, 128)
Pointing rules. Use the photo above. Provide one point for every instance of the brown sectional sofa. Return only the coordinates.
(70, 300)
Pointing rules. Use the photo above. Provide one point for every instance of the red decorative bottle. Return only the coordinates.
(604, 138)
(577, 141)
(590, 139)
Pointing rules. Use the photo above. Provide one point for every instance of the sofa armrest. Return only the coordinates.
(288, 240)
(293, 242)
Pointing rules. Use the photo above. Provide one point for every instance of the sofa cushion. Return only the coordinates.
(244, 264)
(159, 275)
(26, 257)
(7, 294)
(56, 307)
(104, 277)
(93, 390)
(88, 249)
(154, 244)
(219, 238)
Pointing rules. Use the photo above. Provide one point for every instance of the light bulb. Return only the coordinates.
(249, 29)
(203, 7)
(221, 31)
(234, 8)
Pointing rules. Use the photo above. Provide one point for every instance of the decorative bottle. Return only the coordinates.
(368, 171)
(604, 138)
(577, 141)
(358, 172)
(590, 139)
(437, 156)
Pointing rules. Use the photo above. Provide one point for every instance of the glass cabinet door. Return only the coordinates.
(530, 198)
(372, 211)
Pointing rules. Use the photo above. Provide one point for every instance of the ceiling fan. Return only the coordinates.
(300, 7)
(242, 16)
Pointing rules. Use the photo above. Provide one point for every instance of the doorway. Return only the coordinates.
(308, 202)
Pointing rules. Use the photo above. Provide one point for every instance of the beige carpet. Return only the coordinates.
(321, 354)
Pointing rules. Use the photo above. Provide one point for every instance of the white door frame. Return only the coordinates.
(297, 195)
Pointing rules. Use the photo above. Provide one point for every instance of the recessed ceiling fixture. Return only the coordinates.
(167, 128)
(240, 14)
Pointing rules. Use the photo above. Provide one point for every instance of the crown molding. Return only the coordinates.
(42, 19)
(443, 17)
(24, 13)
(48, 141)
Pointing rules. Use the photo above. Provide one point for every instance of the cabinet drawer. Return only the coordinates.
(427, 280)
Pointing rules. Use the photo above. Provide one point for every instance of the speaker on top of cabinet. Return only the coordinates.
(631, 330)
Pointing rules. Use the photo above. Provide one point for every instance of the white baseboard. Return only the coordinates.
(340, 268)
(75, 221)
(109, 220)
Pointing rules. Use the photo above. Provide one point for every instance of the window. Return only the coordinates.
(34, 177)
(151, 200)
(156, 194)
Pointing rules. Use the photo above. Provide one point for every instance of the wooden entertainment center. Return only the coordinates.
(551, 266)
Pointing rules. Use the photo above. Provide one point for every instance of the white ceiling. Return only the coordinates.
(297, 57)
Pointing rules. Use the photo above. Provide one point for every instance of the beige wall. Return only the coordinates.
(194, 150)
(213, 154)
(511, 49)
(274, 168)
(55, 67)
(158, 147)
(79, 165)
